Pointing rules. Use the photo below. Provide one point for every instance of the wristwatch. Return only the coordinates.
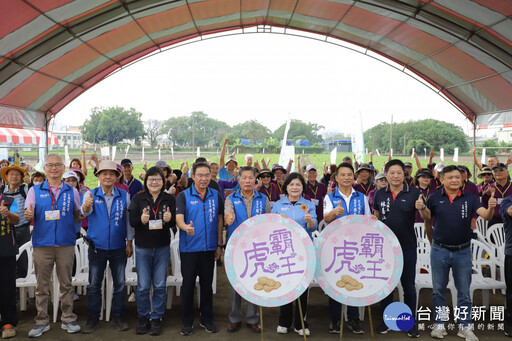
(221, 245)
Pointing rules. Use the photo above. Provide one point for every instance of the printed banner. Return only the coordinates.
(359, 260)
(270, 260)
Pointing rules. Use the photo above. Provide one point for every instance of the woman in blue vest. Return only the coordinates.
(303, 211)
(345, 200)
(152, 215)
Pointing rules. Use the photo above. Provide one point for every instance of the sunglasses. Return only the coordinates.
(266, 176)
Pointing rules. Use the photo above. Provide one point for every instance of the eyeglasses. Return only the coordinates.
(265, 176)
(154, 180)
(71, 180)
(54, 165)
(202, 176)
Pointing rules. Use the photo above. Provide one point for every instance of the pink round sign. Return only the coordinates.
(270, 260)
(359, 260)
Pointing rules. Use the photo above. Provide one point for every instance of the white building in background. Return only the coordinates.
(505, 135)
(70, 136)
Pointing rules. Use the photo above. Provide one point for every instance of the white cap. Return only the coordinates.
(71, 174)
(439, 167)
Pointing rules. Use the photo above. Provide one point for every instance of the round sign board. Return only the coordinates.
(359, 260)
(270, 260)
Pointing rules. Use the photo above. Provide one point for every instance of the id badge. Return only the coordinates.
(315, 201)
(52, 215)
(155, 224)
(500, 200)
(282, 196)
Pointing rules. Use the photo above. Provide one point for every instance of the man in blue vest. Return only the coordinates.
(199, 217)
(344, 201)
(110, 239)
(240, 206)
(55, 208)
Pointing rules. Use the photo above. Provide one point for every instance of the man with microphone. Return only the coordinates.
(240, 206)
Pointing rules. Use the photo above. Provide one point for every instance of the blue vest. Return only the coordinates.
(54, 232)
(258, 207)
(108, 233)
(356, 203)
(204, 216)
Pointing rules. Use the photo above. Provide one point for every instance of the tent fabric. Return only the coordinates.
(24, 136)
(53, 51)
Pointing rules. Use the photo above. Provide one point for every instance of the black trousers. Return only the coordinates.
(508, 292)
(195, 264)
(21, 236)
(286, 312)
(8, 291)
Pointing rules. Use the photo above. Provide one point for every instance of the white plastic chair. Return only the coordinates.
(322, 225)
(419, 230)
(482, 225)
(28, 282)
(177, 279)
(496, 238)
(482, 256)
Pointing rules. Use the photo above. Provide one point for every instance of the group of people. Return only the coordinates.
(207, 203)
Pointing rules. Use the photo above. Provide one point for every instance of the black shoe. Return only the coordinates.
(413, 332)
(334, 327)
(156, 327)
(92, 324)
(186, 331)
(382, 328)
(143, 326)
(209, 327)
(120, 323)
(354, 326)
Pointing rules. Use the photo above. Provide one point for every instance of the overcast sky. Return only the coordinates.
(266, 77)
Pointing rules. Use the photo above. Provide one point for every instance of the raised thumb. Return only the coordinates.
(168, 210)
(145, 211)
(492, 194)
(191, 223)
(2, 203)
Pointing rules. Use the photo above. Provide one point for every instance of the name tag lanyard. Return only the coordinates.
(155, 211)
(52, 198)
(505, 191)
(314, 189)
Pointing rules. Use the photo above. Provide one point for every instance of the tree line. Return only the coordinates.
(114, 124)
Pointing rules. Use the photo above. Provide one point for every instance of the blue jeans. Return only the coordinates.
(97, 264)
(152, 267)
(408, 280)
(441, 261)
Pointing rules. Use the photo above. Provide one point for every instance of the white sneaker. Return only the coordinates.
(38, 330)
(301, 331)
(282, 330)
(467, 333)
(439, 332)
(71, 327)
(132, 297)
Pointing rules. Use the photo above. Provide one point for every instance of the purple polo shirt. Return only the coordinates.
(500, 193)
(272, 192)
(316, 192)
(365, 189)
